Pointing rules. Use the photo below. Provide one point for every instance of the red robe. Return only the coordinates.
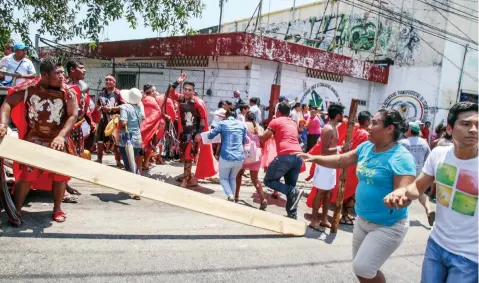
(152, 121)
(209, 165)
(18, 115)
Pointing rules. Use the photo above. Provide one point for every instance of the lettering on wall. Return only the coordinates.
(313, 96)
(136, 65)
(409, 103)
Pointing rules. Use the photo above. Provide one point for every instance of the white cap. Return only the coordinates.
(419, 122)
(131, 96)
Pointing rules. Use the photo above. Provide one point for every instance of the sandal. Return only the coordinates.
(59, 217)
(346, 220)
(264, 205)
(70, 199)
(135, 197)
(73, 191)
(431, 218)
(318, 227)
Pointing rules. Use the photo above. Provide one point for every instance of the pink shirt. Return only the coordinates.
(285, 135)
(314, 126)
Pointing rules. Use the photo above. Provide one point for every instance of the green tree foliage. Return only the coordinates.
(64, 19)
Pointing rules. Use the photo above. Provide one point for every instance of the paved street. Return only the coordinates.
(109, 237)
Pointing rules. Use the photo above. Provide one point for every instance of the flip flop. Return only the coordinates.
(318, 228)
(59, 217)
(431, 218)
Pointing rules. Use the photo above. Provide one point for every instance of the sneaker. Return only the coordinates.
(296, 197)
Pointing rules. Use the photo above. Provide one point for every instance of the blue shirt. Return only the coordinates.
(133, 116)
(376, 173)
(233, 137)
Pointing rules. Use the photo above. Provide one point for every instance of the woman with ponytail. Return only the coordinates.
(253, 131)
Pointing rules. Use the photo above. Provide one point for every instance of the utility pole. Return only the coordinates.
(221, 14)
(459, 84)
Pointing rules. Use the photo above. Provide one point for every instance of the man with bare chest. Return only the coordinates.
(325, 178)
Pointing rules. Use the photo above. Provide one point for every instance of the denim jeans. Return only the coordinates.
(287, 166)
(228, 171)
(136, 151)
(439, 265)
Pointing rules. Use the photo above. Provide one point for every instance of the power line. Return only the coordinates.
(399, 21)
(450, 2)
(468, 17)
(406, 16)
(445, 57)
(453, 24)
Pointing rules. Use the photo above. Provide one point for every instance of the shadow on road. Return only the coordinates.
(33, 222)
(116, 198)
(417, 223)
(17, 233)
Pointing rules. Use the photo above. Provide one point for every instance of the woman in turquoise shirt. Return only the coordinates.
(383, 165)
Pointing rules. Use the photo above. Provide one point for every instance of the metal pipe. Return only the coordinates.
(221, 15)
(460, 75)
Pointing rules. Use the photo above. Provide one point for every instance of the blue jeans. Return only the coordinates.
(287, 166)
(439, 265)
(136, 151)
(228, 171)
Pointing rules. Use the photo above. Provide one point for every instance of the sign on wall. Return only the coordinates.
(312, 97)
(410, 104)
(135, 65)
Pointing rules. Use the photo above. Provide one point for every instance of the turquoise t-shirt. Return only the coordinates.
(376, 173)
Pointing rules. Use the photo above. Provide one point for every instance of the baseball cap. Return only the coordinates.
(19, 46)
(413, 126)
(419, 122)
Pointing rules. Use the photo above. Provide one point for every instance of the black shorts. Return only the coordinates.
(100, 132)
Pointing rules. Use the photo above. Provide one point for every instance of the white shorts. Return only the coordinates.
(324, 178)
(85, 128)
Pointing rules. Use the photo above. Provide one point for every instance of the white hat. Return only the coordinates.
(131, 96)
(419, 122)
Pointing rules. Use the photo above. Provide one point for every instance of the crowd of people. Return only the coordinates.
(389, 162)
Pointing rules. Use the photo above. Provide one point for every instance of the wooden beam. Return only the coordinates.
(342, 177)
(113, 178)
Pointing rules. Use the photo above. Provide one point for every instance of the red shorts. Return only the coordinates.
(31, 174)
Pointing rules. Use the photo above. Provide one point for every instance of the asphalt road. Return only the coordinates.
(109, 237)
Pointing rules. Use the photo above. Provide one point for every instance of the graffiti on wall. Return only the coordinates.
(313, 96)
(410, 104)
(350, 34)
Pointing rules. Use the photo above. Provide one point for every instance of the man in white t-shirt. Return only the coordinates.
(451, 253)
(419, 148)
(296, 113)
(19, 64)
(253, 103)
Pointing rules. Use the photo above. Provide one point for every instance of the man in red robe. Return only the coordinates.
(44, 111)
(192, 121)
(360, 135)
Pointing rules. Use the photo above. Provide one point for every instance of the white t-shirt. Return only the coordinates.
(455, 228)
(24, 67)
(240, 117)
(419, 148)
(294, 115)
(218, 117)
(257, 113)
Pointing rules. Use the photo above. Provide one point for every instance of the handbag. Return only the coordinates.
(252, 153)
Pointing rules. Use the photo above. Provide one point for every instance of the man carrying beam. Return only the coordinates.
(44, 111)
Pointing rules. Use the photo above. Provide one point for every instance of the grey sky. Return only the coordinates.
(233, 10)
